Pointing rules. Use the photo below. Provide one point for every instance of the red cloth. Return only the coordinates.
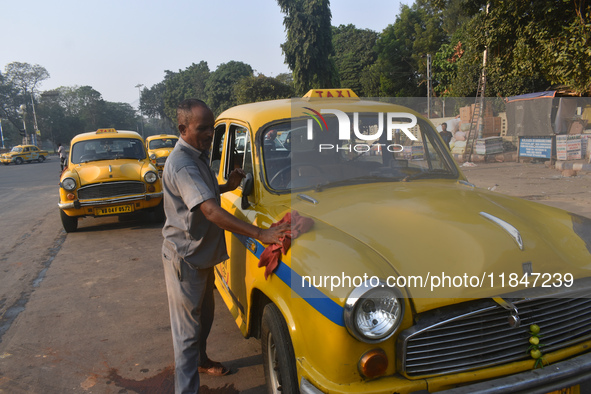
(272, 253)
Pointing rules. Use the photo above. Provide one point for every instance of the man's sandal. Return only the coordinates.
(213, 368)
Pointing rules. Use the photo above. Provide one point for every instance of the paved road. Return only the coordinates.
(87, 312)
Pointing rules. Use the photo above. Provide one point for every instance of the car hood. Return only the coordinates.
(95, 172)
(162, 152)
(438, 229)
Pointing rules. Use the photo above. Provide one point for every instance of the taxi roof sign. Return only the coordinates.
(100, 131)
(330, 93)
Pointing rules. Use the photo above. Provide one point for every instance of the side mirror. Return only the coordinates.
(247, 186)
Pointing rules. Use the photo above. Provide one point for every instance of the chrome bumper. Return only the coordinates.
(537, 381)
(85, 203)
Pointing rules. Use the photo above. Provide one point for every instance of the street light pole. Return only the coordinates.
(139, 106)
(36, 130)
(23, 111)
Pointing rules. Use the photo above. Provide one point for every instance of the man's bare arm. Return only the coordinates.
(215, 214)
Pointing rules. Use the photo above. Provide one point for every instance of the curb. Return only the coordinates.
(569, 165)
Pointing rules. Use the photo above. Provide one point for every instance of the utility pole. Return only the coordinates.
(139, 106)
(428, 86)
(23, 112)
(36, 130)
(2, 134)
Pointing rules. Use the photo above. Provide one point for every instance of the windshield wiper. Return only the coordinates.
(426, 174)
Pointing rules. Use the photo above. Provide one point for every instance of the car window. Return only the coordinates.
(295, 158)
(107, 149)
(237, 137)
(218, 147)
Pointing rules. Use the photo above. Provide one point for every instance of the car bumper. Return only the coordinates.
(552, 377)
(542, 380)
(95, 203)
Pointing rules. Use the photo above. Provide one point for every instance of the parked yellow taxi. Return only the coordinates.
(109, 173)
(23, 153)
(159, 147)
(411, 279)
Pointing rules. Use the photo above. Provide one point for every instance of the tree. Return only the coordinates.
(219, 89)
(403, 48)
(353, 55)
(308, 46)
(20, 81)
(260, 88)
(184, 84)
(532, 45)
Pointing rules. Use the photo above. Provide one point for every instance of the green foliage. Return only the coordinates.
(402, 49)
(184, 84)
(354, 53)
(219, 89)
(308, 46)
(261, 88)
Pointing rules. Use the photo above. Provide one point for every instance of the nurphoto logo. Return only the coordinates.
(392, 121)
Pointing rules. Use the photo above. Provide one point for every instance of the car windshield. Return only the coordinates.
(17, 149)
(107, 149)
(301, 155)
(162, 143)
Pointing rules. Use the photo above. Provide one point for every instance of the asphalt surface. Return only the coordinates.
(87, 312)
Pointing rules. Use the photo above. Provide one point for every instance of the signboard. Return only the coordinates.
(568, 147)
(540, 147)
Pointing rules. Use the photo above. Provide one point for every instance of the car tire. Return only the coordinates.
(278, 355)
(18, 161)
(158, 215)
(41, 159)
(70, 223)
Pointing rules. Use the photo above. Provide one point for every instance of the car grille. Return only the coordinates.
(161, 160)
(110, 189)
(482, 337)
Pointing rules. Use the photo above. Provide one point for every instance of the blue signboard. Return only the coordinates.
(540, 147)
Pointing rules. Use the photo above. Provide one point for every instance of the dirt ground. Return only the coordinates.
(534, 181)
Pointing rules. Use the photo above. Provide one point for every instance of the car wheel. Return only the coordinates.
(158, 215)
(41, 159)
(278, 355)
(70, 223)
(18, 160)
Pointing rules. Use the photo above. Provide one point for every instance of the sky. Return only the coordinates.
(115, 45)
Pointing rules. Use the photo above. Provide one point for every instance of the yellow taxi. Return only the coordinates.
(410, 279)
(159, 147)
(108, 173)
(23, 153)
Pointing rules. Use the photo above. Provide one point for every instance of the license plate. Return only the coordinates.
(113, 210)
(568, 390)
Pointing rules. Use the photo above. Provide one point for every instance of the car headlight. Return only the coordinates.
(152, 156)
(150, 177)
(373, 314)
(69, 184)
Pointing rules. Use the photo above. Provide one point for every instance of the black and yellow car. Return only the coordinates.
(108, 173)
(24, 154)
(411, 279)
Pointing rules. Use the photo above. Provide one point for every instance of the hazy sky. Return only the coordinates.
(114, 45)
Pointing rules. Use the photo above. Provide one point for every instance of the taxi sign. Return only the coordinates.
(100, 131)
(330, 93)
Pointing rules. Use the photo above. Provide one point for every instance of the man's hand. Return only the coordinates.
(274, 235)
(234, 180)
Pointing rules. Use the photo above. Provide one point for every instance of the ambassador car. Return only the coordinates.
(108, 173)
(23, 153)
(409, 279)
(159, 147)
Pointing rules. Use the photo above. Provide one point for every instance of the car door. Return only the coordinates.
(229, 153)
(34, 153)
